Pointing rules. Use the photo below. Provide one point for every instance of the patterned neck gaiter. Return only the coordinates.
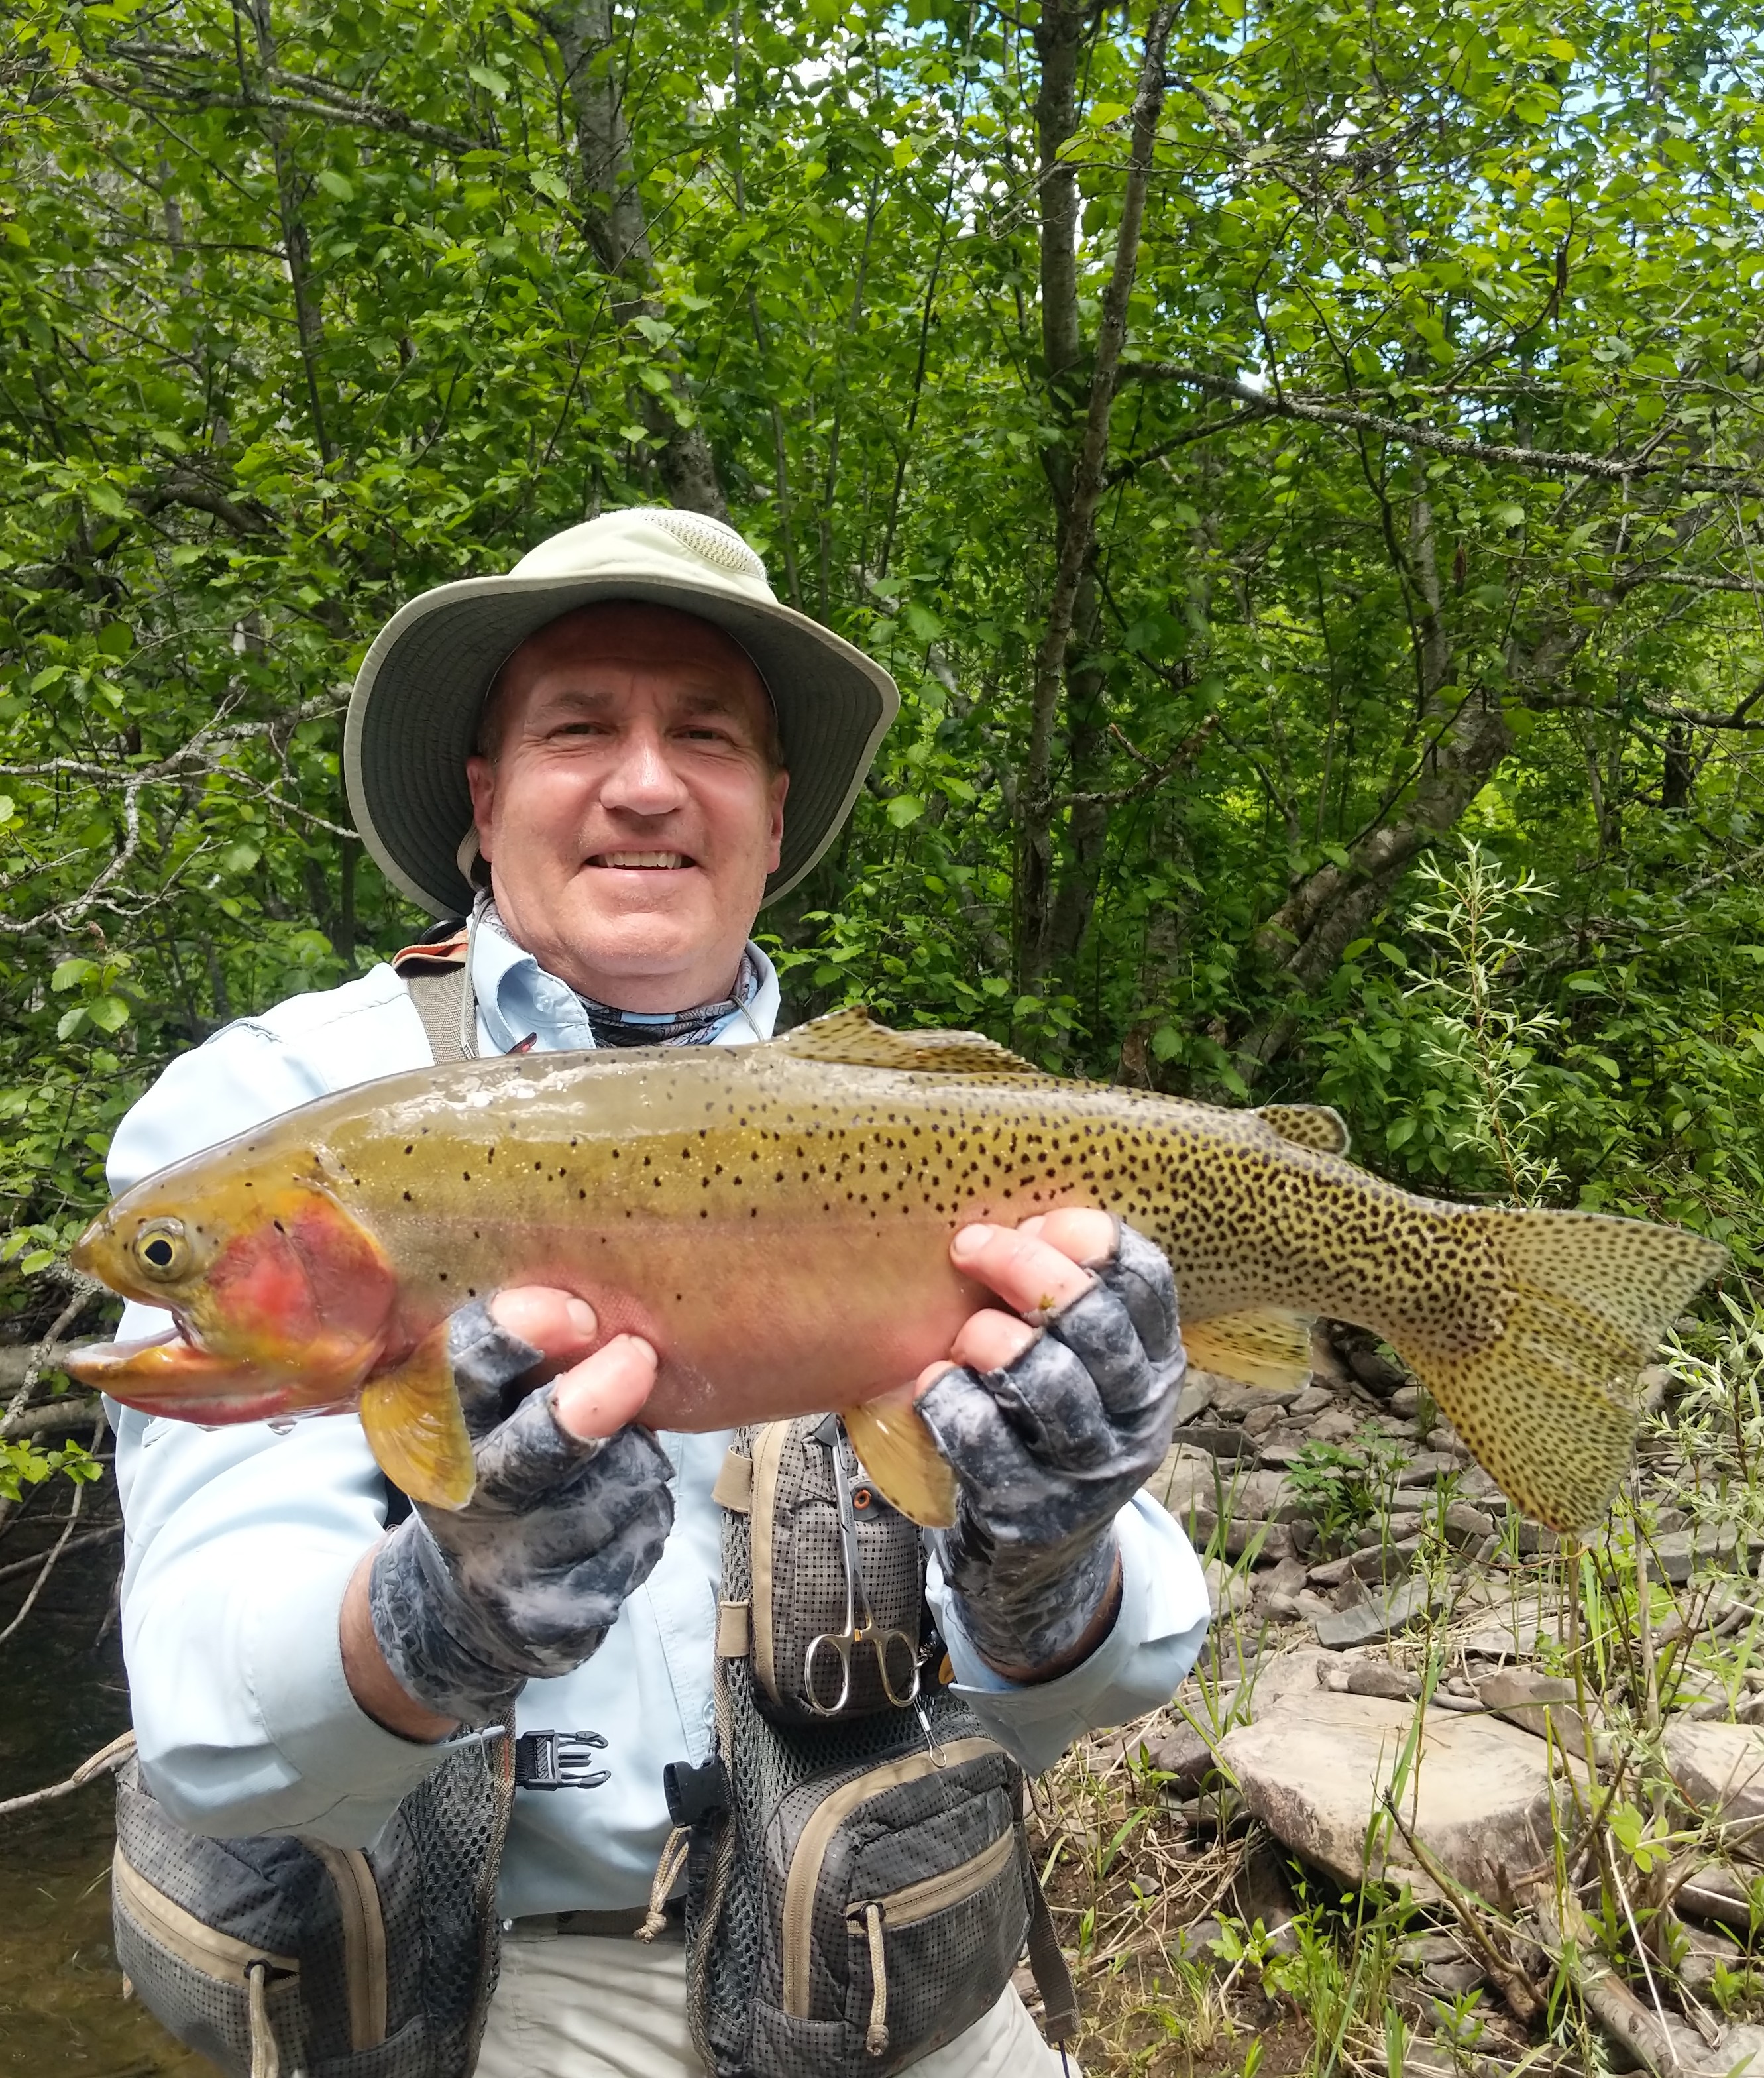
(680, 1027)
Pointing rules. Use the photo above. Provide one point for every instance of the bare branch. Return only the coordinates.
(49, 1563)
(330, 104)
(106, 1761)
(1545, 461)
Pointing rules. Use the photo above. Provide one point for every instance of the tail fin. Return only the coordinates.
(1550, 1404)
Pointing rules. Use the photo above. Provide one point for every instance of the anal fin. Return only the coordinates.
(896, 1449)
(1262, 1346)
(415, 1429)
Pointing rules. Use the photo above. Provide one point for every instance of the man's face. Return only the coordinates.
(630, 810)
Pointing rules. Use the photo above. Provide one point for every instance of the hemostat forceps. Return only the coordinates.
(888, 1645)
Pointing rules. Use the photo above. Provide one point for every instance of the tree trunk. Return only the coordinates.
(613, 220)
(1076, 466)
(1305, 937)
(296, 247)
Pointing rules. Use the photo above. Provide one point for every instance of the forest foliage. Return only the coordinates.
(1304, 466)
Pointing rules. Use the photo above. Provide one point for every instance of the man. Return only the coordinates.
(611, 757)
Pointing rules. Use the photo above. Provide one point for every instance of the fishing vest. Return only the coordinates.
(853, 1870)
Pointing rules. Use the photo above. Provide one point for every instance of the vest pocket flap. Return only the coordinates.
(936, 1893)
(192, 1940)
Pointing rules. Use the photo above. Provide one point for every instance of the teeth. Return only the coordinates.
(652, 859)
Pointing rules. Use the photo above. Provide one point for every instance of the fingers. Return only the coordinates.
(1087, 1236)
(607, 1390)
(991, 1340)
(1027, 1270)
(561, 1327)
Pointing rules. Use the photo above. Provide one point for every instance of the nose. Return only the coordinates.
(642, 780)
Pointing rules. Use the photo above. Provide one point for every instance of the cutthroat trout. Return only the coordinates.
(775, 1221)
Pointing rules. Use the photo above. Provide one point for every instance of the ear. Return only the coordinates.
(480, 777)
(781, 786)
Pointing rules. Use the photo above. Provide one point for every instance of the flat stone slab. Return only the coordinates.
(1721, 1769)
(1378, 1615)
(1313, 1766)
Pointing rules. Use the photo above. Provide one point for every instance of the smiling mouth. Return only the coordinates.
(643, 862)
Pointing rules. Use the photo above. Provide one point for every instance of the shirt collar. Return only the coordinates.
(516, 997)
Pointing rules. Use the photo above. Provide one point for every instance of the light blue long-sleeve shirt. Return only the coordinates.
(240, 1540)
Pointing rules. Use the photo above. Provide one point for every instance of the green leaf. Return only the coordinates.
(904, 809)
(335, 184)
(71, 972)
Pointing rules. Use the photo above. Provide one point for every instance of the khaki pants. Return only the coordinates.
(570, 2005)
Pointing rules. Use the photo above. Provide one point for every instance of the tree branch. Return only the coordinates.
(1546, 461)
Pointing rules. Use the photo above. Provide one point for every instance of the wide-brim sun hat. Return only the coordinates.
(414, 714)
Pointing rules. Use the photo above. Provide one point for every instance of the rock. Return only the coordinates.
(1719, 1768)
(1312, 1400)
(1377, 1616)
(1274, 1541)
(1537, 1704)
(1424, 1468)
(1335, 1425)
(1512, 1628)
(1378, 1677)
(1331, 1573)
(1285, 1607)
(1298, 1672)
(1227, 1591)
(1186, 1755)
(1715, 1894)
(1406, 1402)
(1379, 1375)
(1680, 1552)
(1370, 1535)
(1314, 1768)
(1466, 1526)
(1220, 1442)
(1196, 1397)
(1703, 1955)
(1281, 1447)
(1232, 1398)
(1261, 1891)
(1452, 1980)
(1384, 1561)
(1194, 1944)
(1310, 1606)
(1351, 1592)
(1739, 2053)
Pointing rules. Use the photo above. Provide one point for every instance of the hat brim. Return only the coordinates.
(414, 713)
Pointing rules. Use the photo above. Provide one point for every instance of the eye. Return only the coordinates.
(161, 1248)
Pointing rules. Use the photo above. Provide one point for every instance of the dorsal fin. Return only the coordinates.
(1307, 1125)
(854, 1038)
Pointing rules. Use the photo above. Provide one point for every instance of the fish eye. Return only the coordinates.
(161, 1248)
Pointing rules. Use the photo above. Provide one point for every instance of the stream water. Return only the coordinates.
(62, 2011)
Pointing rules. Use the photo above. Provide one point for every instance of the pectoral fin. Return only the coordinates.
(895, 1448)
(415, 1429)
(1265, 1347)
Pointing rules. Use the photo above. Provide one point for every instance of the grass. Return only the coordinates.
(1191, 1959)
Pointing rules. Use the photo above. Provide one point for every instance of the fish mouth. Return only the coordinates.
(171, 1373)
